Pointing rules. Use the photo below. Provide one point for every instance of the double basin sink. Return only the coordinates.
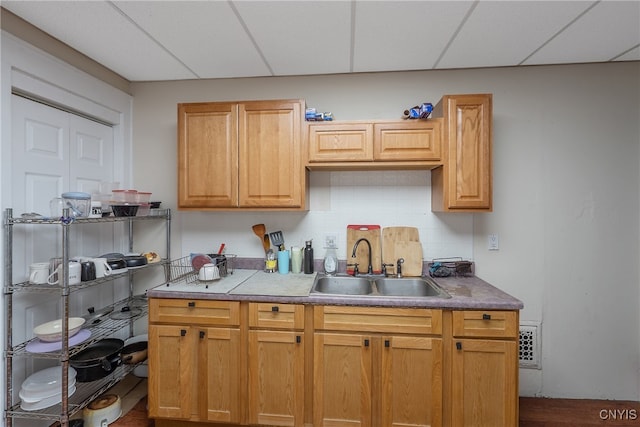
(376, 286)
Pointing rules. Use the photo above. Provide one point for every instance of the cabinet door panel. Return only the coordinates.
(207, 155)
(411, 381)
(408, 140)
(331, 142)
(270, 139)
(171, 351)
(219, 374)
(484, 383)
(469, 129)
(342, 380)
(276, 378)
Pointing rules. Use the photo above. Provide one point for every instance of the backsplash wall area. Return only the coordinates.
(337, 199)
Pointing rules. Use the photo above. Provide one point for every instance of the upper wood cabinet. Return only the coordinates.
(374, 144)
(241, 155)
(464, 182)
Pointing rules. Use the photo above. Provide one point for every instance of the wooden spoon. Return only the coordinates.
(259, 230)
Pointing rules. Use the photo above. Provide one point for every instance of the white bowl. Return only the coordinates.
(52, 331)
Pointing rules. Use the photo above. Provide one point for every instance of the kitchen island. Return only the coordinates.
(260, 349)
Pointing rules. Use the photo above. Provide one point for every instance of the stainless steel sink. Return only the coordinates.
(379, 287)
(342, 285)
(409, 287)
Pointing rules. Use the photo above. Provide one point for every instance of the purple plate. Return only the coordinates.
(37, 346)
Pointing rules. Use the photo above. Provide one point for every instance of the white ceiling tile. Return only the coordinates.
(171, 40)
(404, 35)
(604, 32)
(99, 31)
(206, 36)
(501, 33)
(300, 37)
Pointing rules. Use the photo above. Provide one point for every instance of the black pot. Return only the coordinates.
(98, 360)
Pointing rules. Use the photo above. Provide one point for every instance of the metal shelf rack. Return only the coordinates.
(85, 392)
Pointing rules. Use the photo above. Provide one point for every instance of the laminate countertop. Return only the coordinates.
(467, 292)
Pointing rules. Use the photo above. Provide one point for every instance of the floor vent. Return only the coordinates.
(529, 351)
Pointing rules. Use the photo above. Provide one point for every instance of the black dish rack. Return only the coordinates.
(444, 267)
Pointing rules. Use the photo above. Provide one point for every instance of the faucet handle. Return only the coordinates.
(384, 268)
(355, 268)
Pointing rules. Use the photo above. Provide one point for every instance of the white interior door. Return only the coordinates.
(54, 151)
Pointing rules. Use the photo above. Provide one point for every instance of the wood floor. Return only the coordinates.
(534, 412)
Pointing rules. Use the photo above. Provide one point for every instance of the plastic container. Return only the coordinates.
(117, 197)
(144, 209)
(130, 196)
(124, 210)
(79, 203)
(143, 197)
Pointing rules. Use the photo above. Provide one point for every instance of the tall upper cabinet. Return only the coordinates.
(464, 181)
(241, 155)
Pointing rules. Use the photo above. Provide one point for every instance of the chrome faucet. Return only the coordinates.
(353, 254)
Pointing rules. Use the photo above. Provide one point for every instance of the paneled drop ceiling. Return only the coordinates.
(181, 40)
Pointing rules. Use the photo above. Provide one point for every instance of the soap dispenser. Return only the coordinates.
(330, 260)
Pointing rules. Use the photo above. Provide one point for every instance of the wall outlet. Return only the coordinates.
(330, 240)
(493, 242)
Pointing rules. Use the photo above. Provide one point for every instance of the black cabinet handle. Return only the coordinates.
(298, 339)
(201, 334)
(458, 345)
(366, 343)
(387, 343)
(275, 308)
(192, 304)
(486, 316)
(183, 332)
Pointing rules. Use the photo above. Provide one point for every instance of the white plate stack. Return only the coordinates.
(43, 388)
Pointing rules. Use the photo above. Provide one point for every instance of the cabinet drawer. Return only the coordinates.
(487, 324)
(194, 311)
(276, 316)
(378, 319)
(329, 142)
(408, 140)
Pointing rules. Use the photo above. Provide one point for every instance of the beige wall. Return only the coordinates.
(566, 197)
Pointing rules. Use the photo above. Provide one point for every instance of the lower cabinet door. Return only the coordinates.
(219, 374)
(342, 380)
(276, 378)
(194, 373)
(411, 378)
(171, 371)
(484, 383)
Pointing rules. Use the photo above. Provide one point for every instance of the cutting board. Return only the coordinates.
(411, 252)
(372, 234)
(393, 235)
